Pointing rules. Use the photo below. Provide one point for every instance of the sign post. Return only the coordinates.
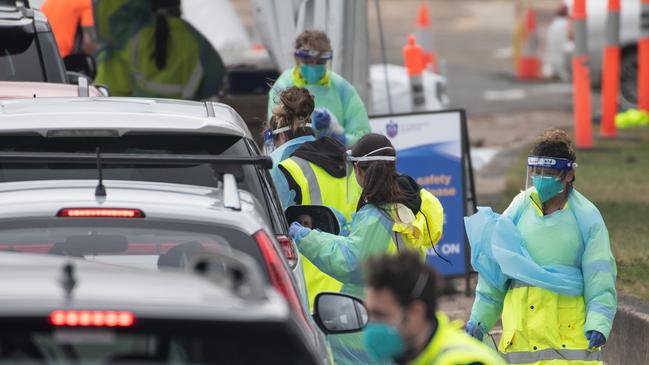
(433, 148)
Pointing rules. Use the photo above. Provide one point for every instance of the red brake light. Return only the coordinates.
(279, 275)
(289, 249)
(100, 213)
(86, 318)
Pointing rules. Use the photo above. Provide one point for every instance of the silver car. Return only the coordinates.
(153, 127)
(58, 310)
(147, 225)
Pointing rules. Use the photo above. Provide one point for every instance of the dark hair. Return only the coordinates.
(293, 109)
(406, 276)
(163, 8)
(555, 143)
(313, 39)
(380, 186)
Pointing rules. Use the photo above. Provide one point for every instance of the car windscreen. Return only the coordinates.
(20, 59)
(247, 176)
(129, 242)
(151, 342)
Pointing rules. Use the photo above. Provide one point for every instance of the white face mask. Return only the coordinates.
(369, 157)
(349, 166)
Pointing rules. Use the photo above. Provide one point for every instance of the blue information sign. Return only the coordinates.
(431, 149)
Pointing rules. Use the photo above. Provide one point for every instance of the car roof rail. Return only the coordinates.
(210, 109)
(132, 159)
(83, 87)
(231, 197)
(234, 270)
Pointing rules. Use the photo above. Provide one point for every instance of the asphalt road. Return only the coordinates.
(475, 39)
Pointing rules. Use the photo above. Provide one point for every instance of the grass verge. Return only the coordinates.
(615, 177)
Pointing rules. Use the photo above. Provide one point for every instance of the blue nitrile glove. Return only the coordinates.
(596, 338)
(321, 119)
(298, 231)
(474, 330)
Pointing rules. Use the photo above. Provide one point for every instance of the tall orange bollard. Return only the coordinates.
(611, 70)
(413, 58)
(424, 35)
(529, 64)
(581, 78)
(643, 57)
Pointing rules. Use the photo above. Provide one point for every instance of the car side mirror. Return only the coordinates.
(81, 63)
(314, 216)
(337, 313)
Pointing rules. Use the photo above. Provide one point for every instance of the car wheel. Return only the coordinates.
(629, 79)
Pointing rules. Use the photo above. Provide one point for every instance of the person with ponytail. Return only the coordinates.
(307, 170)
(167, 58)
(393, 214)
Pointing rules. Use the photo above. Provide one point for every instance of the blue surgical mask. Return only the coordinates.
(382, 341)
(547, 186)
(312, 73)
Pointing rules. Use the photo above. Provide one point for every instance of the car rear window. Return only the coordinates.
(248, 176)
(20, 59)
(151, 342)
(126, 242)
(200, 174)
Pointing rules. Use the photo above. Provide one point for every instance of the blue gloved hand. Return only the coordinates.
(474, 330)
(596, 338)
(298, 231)
(321, 119)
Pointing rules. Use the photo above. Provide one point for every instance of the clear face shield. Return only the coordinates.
(313, 64)
(269, 139)
(353, 185)
(548, 175)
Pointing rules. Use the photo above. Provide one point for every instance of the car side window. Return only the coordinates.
(20, 59)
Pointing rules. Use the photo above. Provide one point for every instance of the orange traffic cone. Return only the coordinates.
(529, 64)
(413, 59)
(424, 34)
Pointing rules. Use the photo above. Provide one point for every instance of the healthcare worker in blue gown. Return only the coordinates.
(545, 266)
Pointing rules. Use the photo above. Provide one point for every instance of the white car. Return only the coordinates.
(560, 44)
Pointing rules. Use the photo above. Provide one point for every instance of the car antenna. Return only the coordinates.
(100, 190)
(68, 280)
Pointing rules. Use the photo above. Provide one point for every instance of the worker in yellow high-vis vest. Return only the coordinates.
(545, 266)
(307, 171)
(163, 57)
(404, 322)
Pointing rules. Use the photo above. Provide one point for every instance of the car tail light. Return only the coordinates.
(100, 213)
(90, 318)
(289, 250)
(279, 275)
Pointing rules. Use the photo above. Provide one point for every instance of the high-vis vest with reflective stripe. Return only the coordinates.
(544, 328)
(193, 69)
(319, 188)
(452, 346)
